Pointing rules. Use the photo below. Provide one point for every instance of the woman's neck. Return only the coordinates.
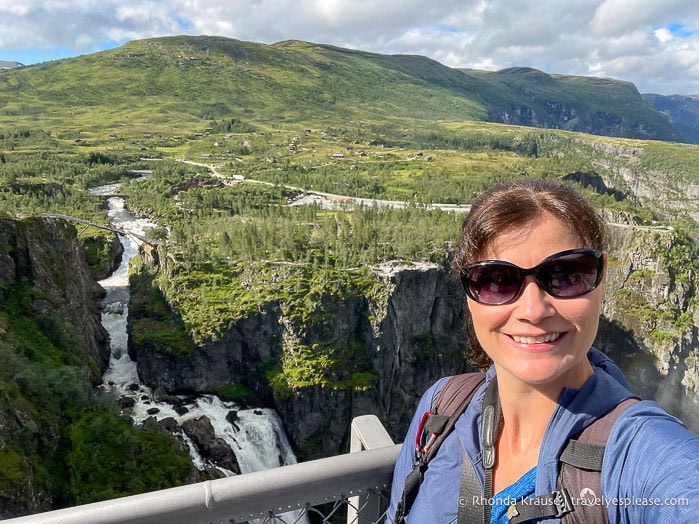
(526, 411)
(529, 406)
(525, 416)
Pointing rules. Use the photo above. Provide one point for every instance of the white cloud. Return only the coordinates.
(619, 16)
(649, 42)
(663, 35)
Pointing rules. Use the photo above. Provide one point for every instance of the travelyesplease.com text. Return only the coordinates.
(588, 500)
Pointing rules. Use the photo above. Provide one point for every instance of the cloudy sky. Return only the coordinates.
(652, 43)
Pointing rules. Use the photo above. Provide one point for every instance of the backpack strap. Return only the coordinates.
(436, 424)
(581, 465)
(578, 478)
(452, 401)
(470, 510)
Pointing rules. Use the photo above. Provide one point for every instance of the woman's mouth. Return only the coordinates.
(549, 337)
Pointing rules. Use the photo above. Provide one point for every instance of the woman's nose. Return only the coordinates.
(533, 302)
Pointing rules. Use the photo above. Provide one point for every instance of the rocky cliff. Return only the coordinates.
(553, 114)
(650, 323)
(412, 334)
(42, 260)
(53, 350)
(595, 106)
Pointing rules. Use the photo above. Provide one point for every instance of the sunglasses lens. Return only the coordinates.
(570, 275)
(565, 275)
(493, 283)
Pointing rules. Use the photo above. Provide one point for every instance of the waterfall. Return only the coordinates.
(256, 436)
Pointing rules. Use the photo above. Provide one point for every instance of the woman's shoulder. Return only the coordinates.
(649, 420)
(646, 440)
(651, 456)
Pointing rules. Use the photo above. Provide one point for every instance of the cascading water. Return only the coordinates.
(256, 436)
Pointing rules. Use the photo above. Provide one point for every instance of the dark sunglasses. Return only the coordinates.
(567, 274)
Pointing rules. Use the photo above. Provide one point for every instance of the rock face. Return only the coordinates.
(650, 323)
(46, 255)
(107, 251)
(592, 107)
(416, 336)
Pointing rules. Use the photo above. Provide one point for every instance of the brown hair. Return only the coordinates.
(510, 205)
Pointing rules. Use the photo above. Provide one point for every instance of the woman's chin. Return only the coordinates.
(556, 372)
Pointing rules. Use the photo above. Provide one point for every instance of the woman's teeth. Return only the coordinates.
(536, 340)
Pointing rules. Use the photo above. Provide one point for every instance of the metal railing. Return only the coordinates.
(317, 489)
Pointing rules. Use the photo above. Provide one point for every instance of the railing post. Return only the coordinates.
(367, 433)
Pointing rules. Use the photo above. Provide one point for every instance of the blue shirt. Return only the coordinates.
(523, 488)
(651, 465)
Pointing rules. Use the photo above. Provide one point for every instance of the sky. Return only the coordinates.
(652, 43)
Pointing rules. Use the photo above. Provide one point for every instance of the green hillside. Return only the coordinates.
(179, 82)
(182, 81)
(327, 119)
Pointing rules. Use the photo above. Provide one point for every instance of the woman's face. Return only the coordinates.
(538, 339)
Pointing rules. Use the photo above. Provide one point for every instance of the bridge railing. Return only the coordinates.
(356, 483)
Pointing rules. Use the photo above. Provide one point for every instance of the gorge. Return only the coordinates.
(222, 438)
(412, 334)
(256, 436)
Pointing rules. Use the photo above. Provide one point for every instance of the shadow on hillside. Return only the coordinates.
(596, 183)
(637, 364)
(641, 370)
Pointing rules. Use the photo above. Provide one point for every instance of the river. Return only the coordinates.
(256, 437)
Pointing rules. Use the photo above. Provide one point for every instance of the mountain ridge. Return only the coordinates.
(682, 111)
(188, 77)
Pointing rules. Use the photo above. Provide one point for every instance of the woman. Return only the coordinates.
(531, 259)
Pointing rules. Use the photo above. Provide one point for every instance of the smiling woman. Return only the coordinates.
(531, 257)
